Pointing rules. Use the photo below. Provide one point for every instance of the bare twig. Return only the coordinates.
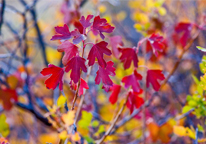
(82, 97)
(2, 13)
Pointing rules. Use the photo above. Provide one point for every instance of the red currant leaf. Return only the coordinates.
(97, 51)
(128, 55)
(153, 76)
(132, 80)
(55, 78)
(70, 50)
(134, 101)
(115, 92)
(103, 74)
(8, 96)
(63, 33)
(156, 42)
(100, 25)
(185, 30)
(79, 26)
(86, 22)
(115, 41)
(75, 65)
(83, 85)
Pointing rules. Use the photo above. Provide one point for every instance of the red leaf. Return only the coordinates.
(79, 26)
(103, 74)
(156, 42)
(69, 49)
(115, 92)
(8, 96)
(55, 78)
(86, 22)
(115, 41)
(100, 25)
(83, 85)
(63, 33)
(153, 76)
(97, 51)
(132, 80)
(134, 101)
(78, 37)
(76, 64)
(128, 55)
(185, 29)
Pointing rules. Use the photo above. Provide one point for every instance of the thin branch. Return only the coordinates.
(5, 55)
(82, 97)
(36, 114)
(2, 13)
(113, 123)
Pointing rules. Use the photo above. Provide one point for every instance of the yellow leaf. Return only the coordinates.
(202, 140)
(49, 138)
(69, 118)
(63, 135)
(102, 8)
(140, 17)
(76, 137)
(180, 130)
(53, 56)
(121, 16)
(61, 101)
(162, 11)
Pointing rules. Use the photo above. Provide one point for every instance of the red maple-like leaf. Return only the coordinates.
(97, 51)
(83, 85)
(185, 30)
(78, 37)
(103, 74)
(152, 77)
(63, 33)
(76, 64)
(132, 80)
(69, 49)
(134, 101)
(115, 92)
(100, 25)
(156, 43)
(8, 96)
(86, 22)
(79, 26)
(128, 55)
(55, 78)
(115, 41)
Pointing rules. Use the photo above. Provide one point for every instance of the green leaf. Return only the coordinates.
(200, 128)
(195, 79)
(101, 129)
(201, 48)
(95, 123)
(85, 120)
(186, 109)
(203, 64)
(192, 103)
(61, 101)
(4, 126)
(89, 139)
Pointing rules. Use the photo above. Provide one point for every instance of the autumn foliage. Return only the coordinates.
(103, 76)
